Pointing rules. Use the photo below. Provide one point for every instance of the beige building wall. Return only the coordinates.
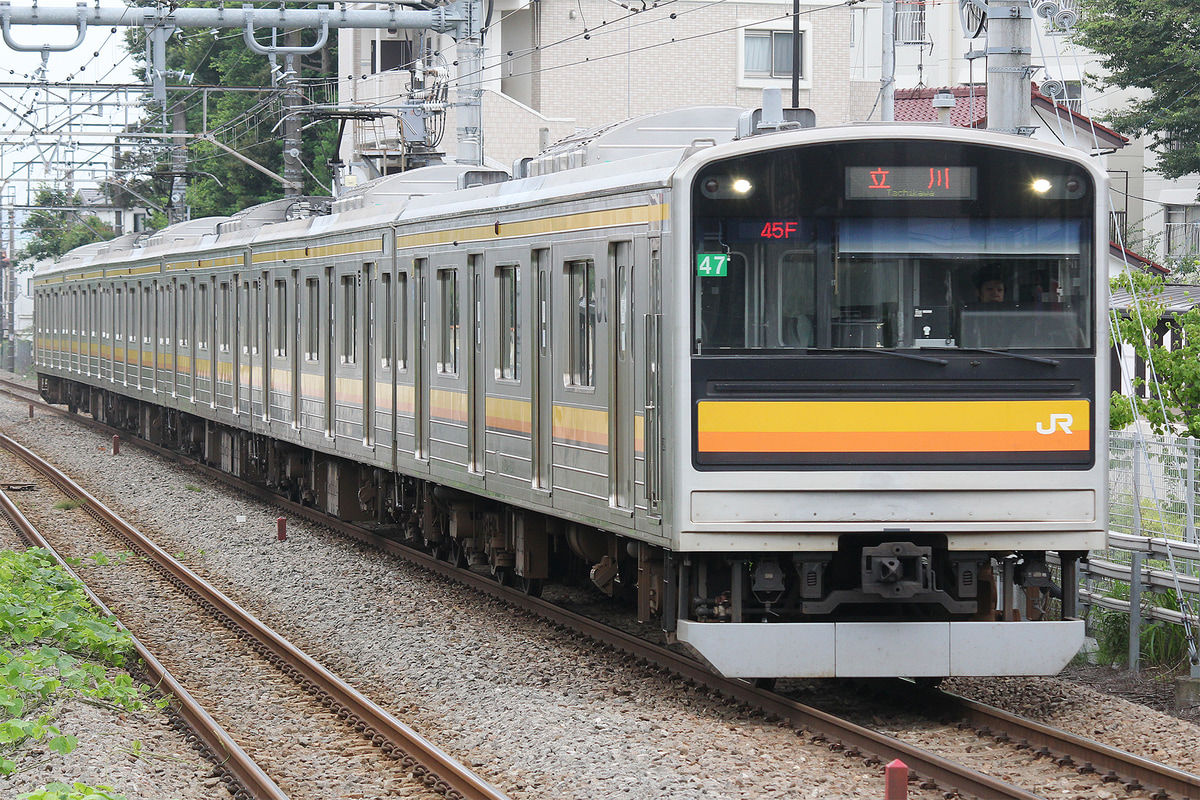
(563, 65)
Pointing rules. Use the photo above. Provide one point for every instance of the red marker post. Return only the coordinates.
(281, 528)
(116, 445)
(895, 785)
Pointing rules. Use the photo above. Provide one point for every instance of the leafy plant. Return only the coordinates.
(1173, 404)
(76, 791)
(1161, 644)
(53, 643)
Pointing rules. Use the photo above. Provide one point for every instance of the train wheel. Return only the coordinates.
(530, 586)
(455, 554)
(504, 576)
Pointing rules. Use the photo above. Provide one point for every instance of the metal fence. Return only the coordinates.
(1152, 567)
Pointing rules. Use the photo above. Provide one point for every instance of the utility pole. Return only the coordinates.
(470, 112)
(8, 308)
(293, 98)
(887, 78)
(177, 202)
(1009, 54)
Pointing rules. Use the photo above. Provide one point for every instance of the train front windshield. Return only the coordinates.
(902, 245)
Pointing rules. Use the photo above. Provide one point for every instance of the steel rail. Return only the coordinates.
(244, 779)
(429, 763)
(840, 733)
(1068, 748)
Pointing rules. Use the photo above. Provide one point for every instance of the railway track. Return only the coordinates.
(1069, 751)
(364, 719)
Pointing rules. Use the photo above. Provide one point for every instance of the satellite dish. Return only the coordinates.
(973, 14)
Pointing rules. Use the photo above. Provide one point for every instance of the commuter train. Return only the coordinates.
(740, 374)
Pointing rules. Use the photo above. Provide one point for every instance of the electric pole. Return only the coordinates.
(1009, 70)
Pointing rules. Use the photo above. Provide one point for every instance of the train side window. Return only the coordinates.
(448, 304)
(279, 322)
(386, 336)
(312, 342)
(225, 313)
(581, 329)
(401, 321)
(166, 318)
(185, 314)
(255, 298)
(507, 363)
(202, 316)
(147, 314)
(118, 314)
(349, 319)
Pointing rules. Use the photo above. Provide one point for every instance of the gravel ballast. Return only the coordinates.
(535, 711)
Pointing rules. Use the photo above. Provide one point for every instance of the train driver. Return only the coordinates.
(989, 284)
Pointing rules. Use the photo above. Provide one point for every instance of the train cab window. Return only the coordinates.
(312, 339)
(581, 326)
(840, 246)
(279, 319)
(349, 320)
(507, 361)
(447, 280)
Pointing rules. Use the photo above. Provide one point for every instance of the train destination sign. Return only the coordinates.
(908, 183)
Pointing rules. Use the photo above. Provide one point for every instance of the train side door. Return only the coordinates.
(652, 369)
(329, 351)
(369, 281)
(271, 309)
(295, 366)
(583, 440)
(477, 380)
(542, 422)
(622, 385)
(421, 360)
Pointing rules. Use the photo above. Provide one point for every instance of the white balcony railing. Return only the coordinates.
(1183, 238)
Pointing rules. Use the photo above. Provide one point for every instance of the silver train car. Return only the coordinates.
(750, 381)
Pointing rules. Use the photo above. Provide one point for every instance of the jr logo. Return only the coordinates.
(1064, 421)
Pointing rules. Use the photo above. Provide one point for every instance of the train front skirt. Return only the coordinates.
(883, 649)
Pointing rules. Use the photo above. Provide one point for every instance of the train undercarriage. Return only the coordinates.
(873, 579)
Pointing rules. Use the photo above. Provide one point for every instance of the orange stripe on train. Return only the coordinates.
(893, 426)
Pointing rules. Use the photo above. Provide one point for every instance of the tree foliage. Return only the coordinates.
(56, 232)
(232, 96)
(1152, 45)
(1172, 402)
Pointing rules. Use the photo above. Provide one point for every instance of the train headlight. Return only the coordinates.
(742, 186)
(1041, 186)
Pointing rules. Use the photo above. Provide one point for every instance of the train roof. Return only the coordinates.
(639, 153)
